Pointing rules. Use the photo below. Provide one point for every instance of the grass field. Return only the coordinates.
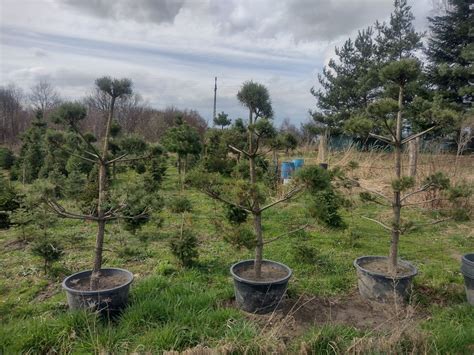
(173, 308)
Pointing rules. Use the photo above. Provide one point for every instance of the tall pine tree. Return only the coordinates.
(450, 54)
(347, 82)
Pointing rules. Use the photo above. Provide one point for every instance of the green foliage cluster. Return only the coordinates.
(8, 202)
(7, 158)
(241, 236)
(180, 204)
(236, 215)
(326, 202)
(222, 120)
(49, 250)
(184, 246)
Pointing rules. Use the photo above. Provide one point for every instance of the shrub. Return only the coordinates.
(49, 250)
(180, 204)
(184, 247)
(7, 159)
(8, 203)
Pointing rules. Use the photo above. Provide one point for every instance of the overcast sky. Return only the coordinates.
(172, 49)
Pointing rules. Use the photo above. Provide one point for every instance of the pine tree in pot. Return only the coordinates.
(104, 289)
(385, 278)
(259, 284)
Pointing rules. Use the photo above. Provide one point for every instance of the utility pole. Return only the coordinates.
(215, 93)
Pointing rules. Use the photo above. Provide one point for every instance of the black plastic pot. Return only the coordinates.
(380, 287)
(467, 269)
(110, 301)
(259, 296)
(324, 165)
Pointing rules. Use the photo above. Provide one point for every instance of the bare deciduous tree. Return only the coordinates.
(44, 97)
(13, 118)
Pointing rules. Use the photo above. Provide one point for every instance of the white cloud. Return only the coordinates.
(172, 49)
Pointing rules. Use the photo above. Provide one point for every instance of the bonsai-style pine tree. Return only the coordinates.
(71, 114)
(387, 115)
(250, 194)
(222, 120)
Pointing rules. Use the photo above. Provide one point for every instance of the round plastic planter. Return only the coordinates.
(467, 269)
(380, 287)
(259, 296)
(108, 301)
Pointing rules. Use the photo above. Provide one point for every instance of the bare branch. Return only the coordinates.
(285, 234)
(287, 196)
(218, 197)
(422, 202)
(116, 159)
(89, 144)
(74, 154)
(381, 138)
(406, 140)
(128, 160)
(430, 223)
(239, 150)
(378, 222)
(392, 133)
(371, 191)
(61, 211)
(143, 214)
(423, 188)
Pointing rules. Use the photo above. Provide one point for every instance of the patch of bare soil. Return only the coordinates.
(15, 244)
(49, 291)
(295, 316)
(269, 273)
(381, 267)
(106, 282)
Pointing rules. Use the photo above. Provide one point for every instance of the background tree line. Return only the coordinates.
(18, 110)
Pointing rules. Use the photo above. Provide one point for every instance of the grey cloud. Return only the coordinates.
(327, 20)
(302, 19)
(139, 10)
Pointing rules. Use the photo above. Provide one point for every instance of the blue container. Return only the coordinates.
(287, 168)
(298, 163)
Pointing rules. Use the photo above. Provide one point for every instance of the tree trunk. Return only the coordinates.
(413, 149)
(259, 245)
(396, 204)
(323, 147)
(257, 216)
(100, 203)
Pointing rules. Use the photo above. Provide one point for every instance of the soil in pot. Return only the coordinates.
(106, 282)
(269, 273)
(381, 267)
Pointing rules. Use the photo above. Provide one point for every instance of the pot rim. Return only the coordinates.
(411, 274)
(253, 282)
(466, 261)
(95, 292)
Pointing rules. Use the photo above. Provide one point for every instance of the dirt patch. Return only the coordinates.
(106, 282)
(15, 244)
(381, 267)
(295, 316)
(49, 291)
(269, 273)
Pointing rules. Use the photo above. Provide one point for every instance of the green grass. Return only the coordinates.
(175, 308)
